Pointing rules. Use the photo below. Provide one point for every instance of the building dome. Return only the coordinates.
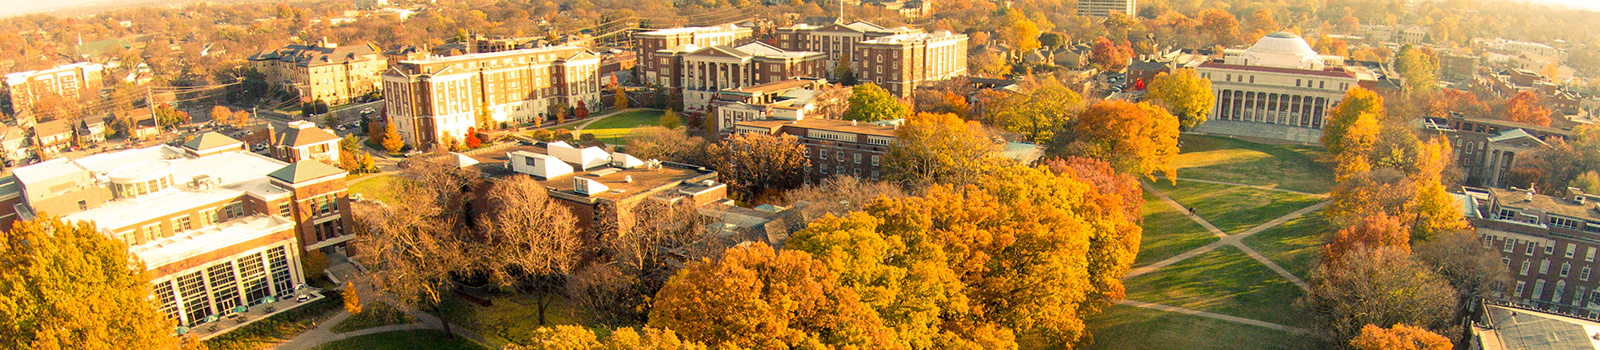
(1283, 49)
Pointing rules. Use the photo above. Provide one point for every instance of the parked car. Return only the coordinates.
(368, 110)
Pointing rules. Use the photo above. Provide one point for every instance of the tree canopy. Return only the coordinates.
(1184, 93)
(1137, 139)
(871, 103)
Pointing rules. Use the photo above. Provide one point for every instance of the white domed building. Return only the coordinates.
(1277, 89)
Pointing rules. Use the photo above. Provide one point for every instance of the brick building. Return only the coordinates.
(657, 49)
(1486, 148)
(837, 41)
(430, 100)
(711, 69)
(216, 226)
(75, 82)
(786, 100)
(901, 62)
(1547, 244)
(835, 147)
(325, 71)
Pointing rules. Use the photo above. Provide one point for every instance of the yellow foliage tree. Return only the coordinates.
(1184, 93)
(1399, 337)
(1139, 139)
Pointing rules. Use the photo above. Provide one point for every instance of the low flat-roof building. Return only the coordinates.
(1507, 327)
(1548, 246)
(216, 226)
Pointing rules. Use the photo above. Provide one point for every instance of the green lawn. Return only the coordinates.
(1124, 327)
(617, 127)
(279, 328)
(512, 319)
(373, 314)
(1234, 209)
(1167, 232)
(377, 187)
(1296, 245)
(1231, 160)
(414, 339)
(1224, 281)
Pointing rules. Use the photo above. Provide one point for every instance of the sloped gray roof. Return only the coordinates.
(293, 137)
(305, 170)
(209, 140)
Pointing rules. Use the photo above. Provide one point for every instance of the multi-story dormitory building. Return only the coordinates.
(73, 82)
(657, 49)
(835, 147)
(1487, 148)
(898, 59)
(1547, 244)
(218, 227)
(430, 99)
(708, 70)
(324, 71)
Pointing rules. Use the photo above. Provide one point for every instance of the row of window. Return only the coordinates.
(1556, 295)
(155, 231)
(1544, 268)
(217, 289)
(1509, 246)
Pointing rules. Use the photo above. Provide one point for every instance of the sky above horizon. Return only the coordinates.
(13, 7)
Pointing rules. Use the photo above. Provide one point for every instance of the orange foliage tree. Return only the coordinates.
(1377, 230)
(1139, 139)
(1399, 337)
(1526, 108)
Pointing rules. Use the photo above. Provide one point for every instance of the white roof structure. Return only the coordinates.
(584, 158)
(535, 164)
(235, 173)
(625, 161)
(463, 160)
(1283, 50)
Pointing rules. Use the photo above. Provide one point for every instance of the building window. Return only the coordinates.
(875, 161)
(1571, 248)
(857, 158)
(1550, 249)
(841, 156)
(283, 209)
(1531, 247)
(1509, 243)
(181, 224)
(1589, 256)
(1525, 267)
(1538, 289)
(1506, 262)
(1565, 267)
(1520, 285)
(150, 232)
(1583, 275)
(1544, 266)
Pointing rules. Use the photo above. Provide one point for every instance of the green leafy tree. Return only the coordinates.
(68, 286)
(1420, 68)
(1184, 93)
(871, 103)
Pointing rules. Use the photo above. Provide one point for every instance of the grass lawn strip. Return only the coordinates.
(616, 128)
(377, 188)
(512, 319)
(1296, 245)
(1168, 232)
(1125, 327)
(431, 339)
(1224, 281)
(374, 314)
(280, 327)
(1231, 160)
(1234, 209)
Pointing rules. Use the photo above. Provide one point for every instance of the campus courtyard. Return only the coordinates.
(1227, 248)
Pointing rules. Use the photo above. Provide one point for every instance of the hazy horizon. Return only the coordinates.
(15, 7)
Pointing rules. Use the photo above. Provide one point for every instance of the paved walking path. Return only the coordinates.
(1217, 316)
(1259, 187)
(1236, 240)
(324, 334)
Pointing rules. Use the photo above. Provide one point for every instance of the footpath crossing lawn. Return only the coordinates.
(1168, 232)
(1122, 327)
(616, 128)
(1234, 209)
(1231, 160)
(1224, 281)
(413, 339)
(513, 319)
(1296, 245)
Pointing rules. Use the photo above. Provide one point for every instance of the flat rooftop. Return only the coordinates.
(1554, 205)
(824, 124)
(238, 173)
(205, 240)
(643, 179)
(1512, 328)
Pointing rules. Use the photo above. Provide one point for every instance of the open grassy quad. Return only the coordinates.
(375, 187)
(1224, 281)
(414, 339)
(1231, 160)
(1296, 245)
(1124, 327)
(616, 128)
(512, 319)
(1168, 232)
(1234, 209)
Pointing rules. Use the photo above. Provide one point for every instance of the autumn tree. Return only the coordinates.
(417, 241)
(1526, 108)
(222, 115)
(1588, 182)
(1356, 102)
(989, 65)
(625, 338)
(1111, 56)
(938, 148)
(1360, 139)
(1420, 68)
(756, 165)
(668, 145)
(638, 254)
(1399, 337)
(1184, 93)
(1105, 179)
(1135, 138)
(169, 117)
(757, 297)
(350, 154)
(620, 97)
(1460, 257)
(1381, 285)
(472, 140)
(1433, 209)
(1038, 110)
(391, 139)
(352, 298)
(528, 239)
(838, 195)
(1222, 27)
(670, 120)
(1378, 230)
(1020, 32)
(870, 103)
(66, 285)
